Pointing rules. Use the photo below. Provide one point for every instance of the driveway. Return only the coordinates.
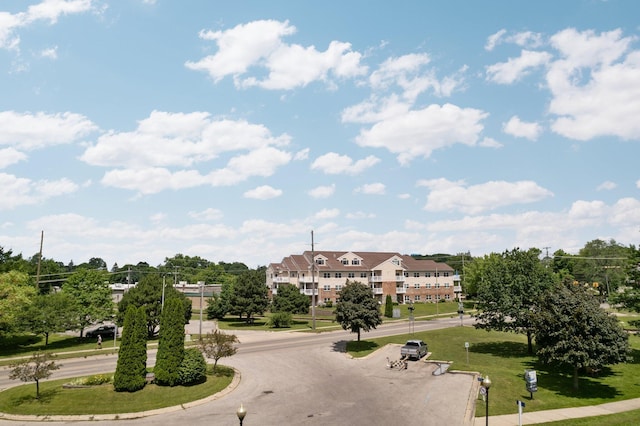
(320, 384)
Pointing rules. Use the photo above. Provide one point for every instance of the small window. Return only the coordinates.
(416, 285)
(427, 274)
(339, 287)
(446, 274)
(407, 298)
(320, 261)
(447, 296)
(406, 275)
(326, 287)
(338, 274)
(428, 297)
(395, 261)
(355, 262)
(428, 285)
(416, 275)
(326, 275)
(363, 275)
(437, 285)
(345, 261)
(327, 300)
(351, 275)
(416, 298)
(446, 285)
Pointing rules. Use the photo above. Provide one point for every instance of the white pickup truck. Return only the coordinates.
(413, 349)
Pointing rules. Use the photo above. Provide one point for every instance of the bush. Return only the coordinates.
(328, 304)
(132, 357)
(388, 307)
(193, 369)
(281, 320)
(171, 343)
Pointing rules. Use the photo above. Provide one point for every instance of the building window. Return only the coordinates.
(416, 298)
(338, 274)
(320, 261)
(446, 285)
(395, 262)
(326, 275)
(446, 274)
(339, 287)
(416, 275)
(427, 274)
(428, 285)
(428, 297)
(327, 300)
(437, 285)
(355, 262)
(447, 296)
(326, 287)
(351, 275)
(363, 275)
(437, 274)
(416, 285)
(407, 298)
(345, 261)
(437, 297)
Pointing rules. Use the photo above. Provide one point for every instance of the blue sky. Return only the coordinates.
(138, 129)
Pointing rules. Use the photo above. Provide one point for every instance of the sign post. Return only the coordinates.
(520, 407)
(466, 346)
(531, 381)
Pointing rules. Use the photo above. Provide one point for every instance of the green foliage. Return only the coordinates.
(148, 293)
(132, 358)
(50, 313)
(218, 305)
(510, 287)
(94, 380)
(573, 331)
(249, 295)
(193, 369)
(388, 306)
(289, 299)
(90, 289)
(356, 309)
(281, 320)
(16, 296)
(171, 344)
(38, 367)
(218, 345)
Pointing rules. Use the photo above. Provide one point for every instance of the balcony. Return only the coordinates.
(377, 290)
(308, 292)
(375, 279)
(280, 280)
(401, 290)
(457, 289)
(399, 278)
(307, 280)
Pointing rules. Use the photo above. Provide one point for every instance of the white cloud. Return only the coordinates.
(524, 39)
(9, 156)
(46, 10)
(607, 186)
(323, 191)
(360, 215)
(516, 68)
(595, 85)
(494, 39)
(259, 44)
(27, 131)
(445, 195)
(15, 191)
(327, 214)
(51, 53)
(521, 129)
(372, 189)
(333, 163)
(418, 133)
(487, 142)
(209, 214)
(263, 192)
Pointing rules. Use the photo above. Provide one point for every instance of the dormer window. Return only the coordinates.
(345, 261)
(319, 261)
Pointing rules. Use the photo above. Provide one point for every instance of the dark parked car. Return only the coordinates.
(103, 330)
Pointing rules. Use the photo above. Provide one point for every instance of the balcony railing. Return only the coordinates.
(377, 290)
(375, 279)
(457, 289)
(281, 279)
(401, 290)
(308, 292)
(399, 278)
(307, 280)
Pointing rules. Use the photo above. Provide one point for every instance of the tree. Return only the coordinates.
(171, 343)
(38, 367)
(218, 345)
(388, 306)
(289, 299)
(573, 331)
(131, 368)
(16, 295)
(603, 263)
(50, 313)
(219, 305)
(510, 287)
(148, 293)
(357, 310)
(250, 295)
(90, 290)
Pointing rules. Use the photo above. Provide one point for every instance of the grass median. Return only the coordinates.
(55, 399)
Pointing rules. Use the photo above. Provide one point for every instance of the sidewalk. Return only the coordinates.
(561, 413)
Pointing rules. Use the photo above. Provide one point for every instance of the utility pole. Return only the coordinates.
(39, 263)
(313, 285)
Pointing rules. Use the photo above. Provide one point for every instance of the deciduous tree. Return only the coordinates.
(38, 367)
(218, 345)
(50, 313)
(90, 289)
(357, 310)
(16, 296)
(289, 299)
(572, 331)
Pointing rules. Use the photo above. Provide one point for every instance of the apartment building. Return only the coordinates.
(404, 278)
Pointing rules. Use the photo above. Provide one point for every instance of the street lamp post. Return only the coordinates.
(486, 384)
(241, 413)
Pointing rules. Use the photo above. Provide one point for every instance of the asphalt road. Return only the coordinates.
(305, 378)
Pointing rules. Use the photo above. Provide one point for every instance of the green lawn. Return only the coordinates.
(503, 356)
(56, 400)
(628, 418)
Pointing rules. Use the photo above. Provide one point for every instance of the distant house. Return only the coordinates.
(404, 278)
